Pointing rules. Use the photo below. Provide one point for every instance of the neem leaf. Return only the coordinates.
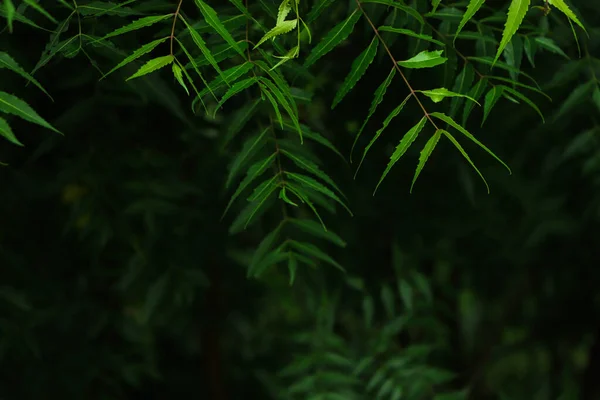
(377, 99)
(490, 100)
(564, 8)
(472, 8)
(6, 61)
(153, 65)
(177, 73)
(13, 105)
(235, 89)
(440, 94)
(516, 13)
(465, 155)
(424, 156)
(410, 33)
(7, 132)
(462, 130)
(280, 29)
(211, 17)
(404, 144)
(339, 33)
(359, 67)
(425, 59)
(147, 48)
(140, 23)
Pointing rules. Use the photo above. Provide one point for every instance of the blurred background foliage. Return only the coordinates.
(120, 281)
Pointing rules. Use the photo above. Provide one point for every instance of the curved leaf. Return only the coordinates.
(472, 8)
(153, 65)
(339, 33)
(359, 67)
(13, 105)
(425, 59)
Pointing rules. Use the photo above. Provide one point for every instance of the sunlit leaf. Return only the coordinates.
(516, 13)
(440, 94)
(564, 8)
(472, 8)
(425, 59)
(153, 65)
(145, 49)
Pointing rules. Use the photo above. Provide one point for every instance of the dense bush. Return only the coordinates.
(183, 222)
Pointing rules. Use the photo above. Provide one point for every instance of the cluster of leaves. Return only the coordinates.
(255, 63)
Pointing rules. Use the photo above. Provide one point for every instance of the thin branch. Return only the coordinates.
(174, 23)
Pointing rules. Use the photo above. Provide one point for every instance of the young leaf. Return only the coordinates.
(13, 105)
(424, 156)
(466, 156)
(490, 100)
(462, 130)
(339, 33)
(440, 94)
(386, 122)
(6, 61)
(280, 29)
(564, 8)
(404, 144)
(293, 53)
(516, 13)
(410, 33)
(153, 65)
(179, 77)
(6, 132)
(284, 10)
(472, 8)
(425, 59)
(377, 99)
(359, 67)
(235, 89)
(145, 49)
(140, 23)
(256, 170)
(213, 20)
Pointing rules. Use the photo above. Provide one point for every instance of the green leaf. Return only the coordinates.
(359, 67)
(578, 96)
(145, 49)
(516, 13)
(377, 99)
(472, 8)
(317, 9)
(462, 130)
(339, 33)
(261, 251)
(213, 20)
(140, 23)
(313, 251)
(273, 102)
(408, 32)
(502, 65)
(284, 103)
(231, 75)
(311, 167)
(256, 170)
(6, 61)
(423, 157)
(9, 9)
(596, 98)
(284, 10)
(425, 59)
(524, 98)
(316, 229)
(179, 77)
(550, 45)
(462, 84)
(293, 53)
(314, 136)
(41, 10)
(465, 155)
(435, 4)
(404, 144)
(292, 267)
(564, 8)
(13, 105)
(252, 144)
(386, 122)
(204, 49)
(475, 92)
(490, 100)
(280, 29)
(153, 65)
(239, 119)
(6, 132)
(235, 89)
(440, 94)
(397, 4)
(317, 186)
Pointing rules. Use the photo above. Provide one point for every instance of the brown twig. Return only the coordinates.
(175, 23)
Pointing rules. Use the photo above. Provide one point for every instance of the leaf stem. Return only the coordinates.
(174, 23)
(387, 49)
